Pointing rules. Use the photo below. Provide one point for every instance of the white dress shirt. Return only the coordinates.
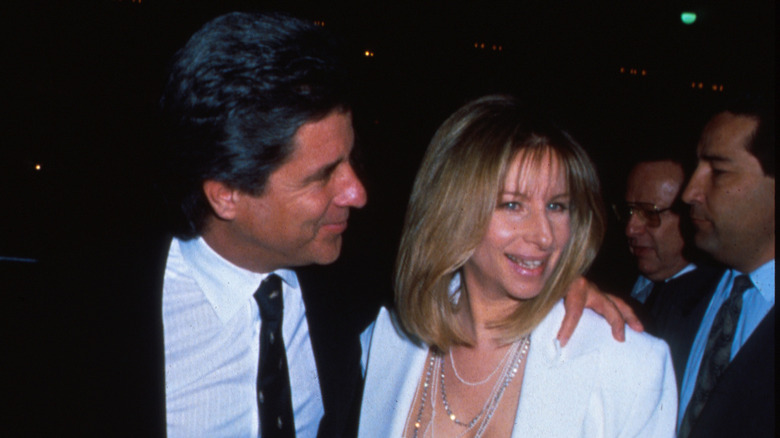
(757, 301)
(212, 330)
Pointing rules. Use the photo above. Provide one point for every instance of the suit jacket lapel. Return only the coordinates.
(336, 345)
(745, 394)
(679, 310)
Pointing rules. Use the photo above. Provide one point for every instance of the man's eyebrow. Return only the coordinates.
(323, 172)
(714, 158)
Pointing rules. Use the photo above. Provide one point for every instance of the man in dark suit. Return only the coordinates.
(261, 141)
(152, 334)
(728, 384)
(674, 277)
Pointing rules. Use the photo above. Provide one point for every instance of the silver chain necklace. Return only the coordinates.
(510, 351)
(525, 344)
(424, 397)
(483, 381)
(517, 352)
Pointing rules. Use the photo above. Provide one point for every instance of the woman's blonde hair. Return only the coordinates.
(453, 199)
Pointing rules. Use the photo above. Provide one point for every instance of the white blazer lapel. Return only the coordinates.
(557, 383)
(394, 369)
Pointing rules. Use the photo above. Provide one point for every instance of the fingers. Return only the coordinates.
(615, 311)
(609, 311)
(628, 314)
(574, 303)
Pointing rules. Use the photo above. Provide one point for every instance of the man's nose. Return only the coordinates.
(693, 193)
(636, 225)
(351, 193)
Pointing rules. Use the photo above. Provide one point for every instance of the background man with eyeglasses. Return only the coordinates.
(657, 229)
(653, 224)
(674, 278)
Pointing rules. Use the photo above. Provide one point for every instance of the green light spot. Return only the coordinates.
(688, 17)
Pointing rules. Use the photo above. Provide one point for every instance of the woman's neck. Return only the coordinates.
(479, 315)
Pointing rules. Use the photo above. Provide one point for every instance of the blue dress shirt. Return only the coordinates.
(756, 303)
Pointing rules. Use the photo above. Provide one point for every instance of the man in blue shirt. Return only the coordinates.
(732, 199)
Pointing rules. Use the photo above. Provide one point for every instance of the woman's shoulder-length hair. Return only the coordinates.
(453, 199)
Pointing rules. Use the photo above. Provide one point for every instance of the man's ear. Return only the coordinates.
(222, 198)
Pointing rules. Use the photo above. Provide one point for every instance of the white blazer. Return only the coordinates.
(593, 387)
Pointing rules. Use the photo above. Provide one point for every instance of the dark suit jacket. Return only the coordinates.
(743, 402)
(100, 370)
(673, 312)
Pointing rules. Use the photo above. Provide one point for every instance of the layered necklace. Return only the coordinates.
(510, 365)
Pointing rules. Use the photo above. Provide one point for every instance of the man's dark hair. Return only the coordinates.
(236, 94)
(762, 143)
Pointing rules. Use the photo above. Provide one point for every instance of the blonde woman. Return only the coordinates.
(504, 215)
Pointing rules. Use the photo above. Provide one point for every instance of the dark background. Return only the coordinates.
(80, 83)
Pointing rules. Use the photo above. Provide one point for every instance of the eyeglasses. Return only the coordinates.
(645, 211)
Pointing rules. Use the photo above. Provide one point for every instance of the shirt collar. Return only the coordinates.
(763, 279)
(226, 286)
(688, 268)
(643, 281)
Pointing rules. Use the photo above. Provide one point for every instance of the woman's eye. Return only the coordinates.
(557, 206)
(510, 205)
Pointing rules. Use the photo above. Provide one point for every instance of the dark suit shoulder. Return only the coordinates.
(108, 336)
(338, 309)
(679, 309)
(743, 401)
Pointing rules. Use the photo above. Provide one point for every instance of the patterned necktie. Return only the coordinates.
(717, 353)
(273, 380)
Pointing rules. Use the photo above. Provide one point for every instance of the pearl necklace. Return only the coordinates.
(519, 351)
